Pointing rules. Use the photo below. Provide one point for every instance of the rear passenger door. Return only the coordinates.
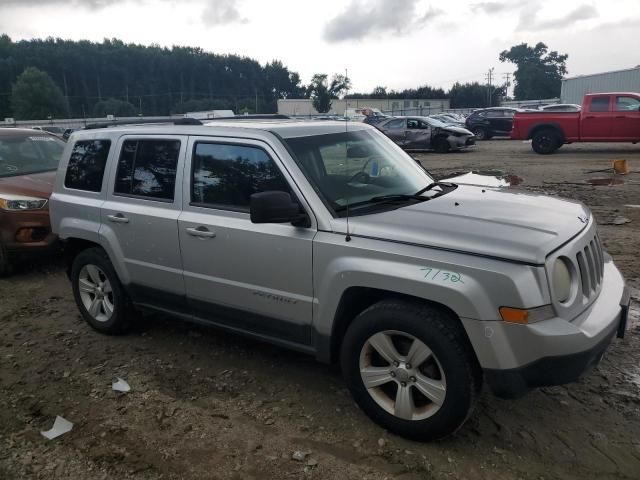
(140, 216)
(231, 264)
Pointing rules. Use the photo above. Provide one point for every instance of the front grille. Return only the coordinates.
(591, 265)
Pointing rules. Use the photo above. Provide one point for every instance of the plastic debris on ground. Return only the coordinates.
(120, 386)
(60, 427)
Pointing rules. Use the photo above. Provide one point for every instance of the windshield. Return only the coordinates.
(25, 154)
(355, 167)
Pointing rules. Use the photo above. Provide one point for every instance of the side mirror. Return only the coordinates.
(273, 207)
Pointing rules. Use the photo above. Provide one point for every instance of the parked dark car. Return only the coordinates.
(28, 163)
(489, 122)
(419, 133)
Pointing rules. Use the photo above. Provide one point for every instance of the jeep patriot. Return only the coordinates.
(327, 238)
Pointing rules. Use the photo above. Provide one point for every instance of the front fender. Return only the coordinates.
(472, 287)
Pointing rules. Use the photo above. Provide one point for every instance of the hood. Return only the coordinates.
(511, 225)
(456, 129)
(32, 185)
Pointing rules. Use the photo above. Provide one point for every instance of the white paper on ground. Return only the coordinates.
(60, 427)
(120, 385)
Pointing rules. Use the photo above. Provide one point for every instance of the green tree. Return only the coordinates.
(473, 95)
(321, 91)
(379, 92)
(539, 71)
(36, 96)
(113, 106)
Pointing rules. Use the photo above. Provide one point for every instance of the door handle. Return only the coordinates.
(201, 232)
(620, 116)
(590, 116)
(118, 218)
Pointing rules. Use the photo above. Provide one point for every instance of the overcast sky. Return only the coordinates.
(394, 43)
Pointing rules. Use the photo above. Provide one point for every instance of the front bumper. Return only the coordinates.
(40, 238)
(517, 358)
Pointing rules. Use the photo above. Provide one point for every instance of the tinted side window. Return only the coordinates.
(599, 104)
(147, 168)
(227, 175)
(627, 104)
(86, 165)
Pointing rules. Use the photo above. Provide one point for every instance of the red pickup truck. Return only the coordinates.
(604, 117)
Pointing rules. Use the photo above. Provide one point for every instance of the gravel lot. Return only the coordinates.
(206, 404)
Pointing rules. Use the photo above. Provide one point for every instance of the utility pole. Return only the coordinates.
(507, 83)
(489, 78)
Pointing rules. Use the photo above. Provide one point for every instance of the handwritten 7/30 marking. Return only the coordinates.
(441, 275)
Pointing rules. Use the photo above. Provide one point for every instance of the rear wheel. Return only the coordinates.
(98, 292)
(410, 368)
(480, 133)
(546, 141)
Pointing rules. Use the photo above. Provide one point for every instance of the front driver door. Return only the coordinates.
(253, 277)
(418, 134)
(626, 122)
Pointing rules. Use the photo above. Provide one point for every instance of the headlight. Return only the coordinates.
(15, 203)
(561, 278)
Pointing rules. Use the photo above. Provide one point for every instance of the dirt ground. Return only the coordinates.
(206, 404)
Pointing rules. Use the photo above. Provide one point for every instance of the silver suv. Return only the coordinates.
(325, 237)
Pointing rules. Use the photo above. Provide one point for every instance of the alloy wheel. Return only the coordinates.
(402, 375)
(96, 292)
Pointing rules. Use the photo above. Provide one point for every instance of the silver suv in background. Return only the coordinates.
(329, 239)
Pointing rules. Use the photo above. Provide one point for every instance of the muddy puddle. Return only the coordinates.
(486, 178)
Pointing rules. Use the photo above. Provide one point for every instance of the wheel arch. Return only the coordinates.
(73, 246)
(355, 300)
(545, 126)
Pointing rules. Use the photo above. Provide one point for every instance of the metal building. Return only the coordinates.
(574, 88)
(414, 106)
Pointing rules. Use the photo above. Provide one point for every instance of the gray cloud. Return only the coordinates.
(530, 22)
(216, 12)
(222, 12)
(497, 7)
(91, 4)
(364, 18)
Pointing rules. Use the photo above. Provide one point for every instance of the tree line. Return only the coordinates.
(57, 78)
(152, 80)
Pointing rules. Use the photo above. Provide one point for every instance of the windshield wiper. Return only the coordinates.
(433, 185)
(399, 196)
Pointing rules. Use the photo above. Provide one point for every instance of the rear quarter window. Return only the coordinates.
(85, 169)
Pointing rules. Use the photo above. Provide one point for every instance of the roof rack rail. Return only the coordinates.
(259, 116)
(115, 123)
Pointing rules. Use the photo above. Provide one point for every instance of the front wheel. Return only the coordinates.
(441, 145)
(411, 369)
(6, 266)
(480, 133)
(546, 141)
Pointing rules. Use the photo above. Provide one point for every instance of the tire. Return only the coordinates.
(6, 267)
(451, 374)
(480, 133)
(546, 141)
(91, 268)
(441, 145)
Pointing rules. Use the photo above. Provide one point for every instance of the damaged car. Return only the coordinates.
(425, 133)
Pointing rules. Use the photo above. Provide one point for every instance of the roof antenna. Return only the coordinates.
(346, 130)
